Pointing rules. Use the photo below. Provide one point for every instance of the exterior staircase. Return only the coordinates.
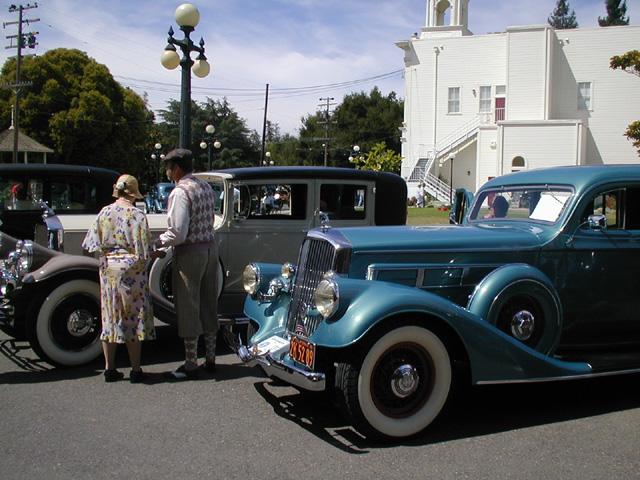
(424, 160)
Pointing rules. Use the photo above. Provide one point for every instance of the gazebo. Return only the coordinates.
(30, 150)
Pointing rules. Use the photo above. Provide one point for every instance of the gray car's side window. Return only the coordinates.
(343, 201)
(268, 201)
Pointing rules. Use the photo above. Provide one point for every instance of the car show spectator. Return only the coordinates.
(191, 216)
(120, 235)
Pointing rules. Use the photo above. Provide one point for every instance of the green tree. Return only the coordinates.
(616, 13)
(239, 147)
(76, 107)
(561, 19)
(361, 119)
(380, 158)
(283, 148)
(630, 63)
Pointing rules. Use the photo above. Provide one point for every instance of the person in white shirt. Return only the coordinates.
(191, 234)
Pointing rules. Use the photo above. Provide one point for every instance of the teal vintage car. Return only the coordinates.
(537, 280)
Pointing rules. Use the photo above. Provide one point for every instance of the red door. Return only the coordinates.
(500, 104)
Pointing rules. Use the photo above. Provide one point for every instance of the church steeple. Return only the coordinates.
(458, 11)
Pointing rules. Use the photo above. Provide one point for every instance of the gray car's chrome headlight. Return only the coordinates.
(21, 258)
(251, 278)
(17, 264)
(327, 297)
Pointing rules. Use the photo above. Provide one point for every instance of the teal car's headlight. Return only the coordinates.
(327, 297)
(251, 278)
(288, 271)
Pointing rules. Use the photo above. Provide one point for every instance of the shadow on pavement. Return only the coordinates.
(478, 411)
(167, 349)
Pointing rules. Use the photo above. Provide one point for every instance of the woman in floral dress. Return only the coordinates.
(120, 234)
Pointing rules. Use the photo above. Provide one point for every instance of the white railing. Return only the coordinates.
(437, 188)
(460, 135)
(423, 159)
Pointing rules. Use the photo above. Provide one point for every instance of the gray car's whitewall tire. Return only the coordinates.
(383, 408)
(63, 327)
(160, 270)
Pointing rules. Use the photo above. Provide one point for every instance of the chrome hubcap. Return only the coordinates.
(522, 325)
(404, 381)
(80, 323)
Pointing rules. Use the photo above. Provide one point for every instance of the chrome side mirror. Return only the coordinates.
(597, 222)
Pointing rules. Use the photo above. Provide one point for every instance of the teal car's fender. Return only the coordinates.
(270, 316)
(520, 287)
(493, 355)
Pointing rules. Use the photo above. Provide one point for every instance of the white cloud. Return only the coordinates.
(249, 43)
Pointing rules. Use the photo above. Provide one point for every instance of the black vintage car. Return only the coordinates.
(26, 190)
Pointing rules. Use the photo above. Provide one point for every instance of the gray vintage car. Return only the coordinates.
(263, 214)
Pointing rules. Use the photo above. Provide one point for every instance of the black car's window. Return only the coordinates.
(61, 195)
(22, 194)
(16, 195)
(274, 201)
(73, 195)
(540, 203)
(343, 201)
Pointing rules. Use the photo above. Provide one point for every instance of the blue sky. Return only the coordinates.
(304, 49)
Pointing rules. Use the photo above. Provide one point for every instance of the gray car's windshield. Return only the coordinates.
(540, 203)
(218, 190)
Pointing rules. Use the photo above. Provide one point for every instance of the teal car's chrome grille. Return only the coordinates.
(317, 257)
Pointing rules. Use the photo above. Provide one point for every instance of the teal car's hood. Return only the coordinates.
(482, 236)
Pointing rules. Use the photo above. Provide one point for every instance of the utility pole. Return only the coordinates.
(264, 125)
(326, 123)
(19, 44)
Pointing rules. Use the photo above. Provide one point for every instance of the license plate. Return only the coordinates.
(302, 351)
(270, 345)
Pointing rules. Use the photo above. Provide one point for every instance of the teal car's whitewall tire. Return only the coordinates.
(401, 386)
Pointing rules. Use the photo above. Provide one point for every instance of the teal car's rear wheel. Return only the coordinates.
(400, 386)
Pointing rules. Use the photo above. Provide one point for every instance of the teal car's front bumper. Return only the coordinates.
(313, 381)
(276, 364)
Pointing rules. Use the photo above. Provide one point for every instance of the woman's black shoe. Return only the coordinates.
(137, 376)
(113, 375)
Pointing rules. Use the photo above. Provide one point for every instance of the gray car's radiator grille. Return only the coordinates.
(317, 256)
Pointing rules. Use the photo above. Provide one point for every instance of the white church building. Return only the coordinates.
(481, 106)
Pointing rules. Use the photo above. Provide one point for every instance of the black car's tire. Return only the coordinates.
(64, 324)
(399, 387)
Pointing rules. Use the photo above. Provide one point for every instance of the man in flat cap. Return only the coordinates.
(191, 234)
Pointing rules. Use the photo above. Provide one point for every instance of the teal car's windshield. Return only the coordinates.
(539, 203)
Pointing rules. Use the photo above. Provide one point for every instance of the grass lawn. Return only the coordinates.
(427, 216)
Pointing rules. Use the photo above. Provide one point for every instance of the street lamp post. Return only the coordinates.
(267, 162)
(187, 17)
(157, 157)
(209, 142)
(355, 155)
(452, 157)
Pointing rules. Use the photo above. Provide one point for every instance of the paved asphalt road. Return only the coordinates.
(70, 424)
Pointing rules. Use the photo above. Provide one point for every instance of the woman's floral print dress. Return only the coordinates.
(120, 234)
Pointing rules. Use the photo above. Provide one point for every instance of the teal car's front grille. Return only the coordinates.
(317, 257)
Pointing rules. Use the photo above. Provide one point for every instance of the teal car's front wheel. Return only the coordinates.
(400, 385)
